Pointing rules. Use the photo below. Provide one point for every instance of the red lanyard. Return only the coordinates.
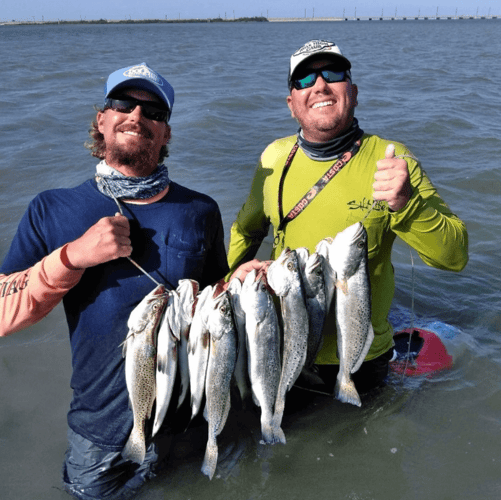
(313, 192)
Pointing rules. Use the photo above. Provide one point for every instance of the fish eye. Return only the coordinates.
(360, 244)
(290, 266)
(223, 310)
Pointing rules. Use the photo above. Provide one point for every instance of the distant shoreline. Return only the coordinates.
(245, 19)
(135, 21)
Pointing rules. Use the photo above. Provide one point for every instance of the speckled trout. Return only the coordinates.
(187, 290)
(167, 359)
(222, 360)
(349, 258)
(241, 368)
(263, 341)
(330, 277)
(139, 351)
(285, 280)
(198, 351)
(313, 273)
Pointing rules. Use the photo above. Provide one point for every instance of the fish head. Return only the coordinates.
(219, 287)
(219, 315)
(149, 309)
(235, 290)
(314, 271)
(255, 294)
(187, 290)
(173, 315)
(234, 286)
(262, 281)
(262, 291)
(302, 257)
(240, 297)
(250, 279)
(284, 273)
(199, 307)
(349, 250)
(247, 292)
(323, 247)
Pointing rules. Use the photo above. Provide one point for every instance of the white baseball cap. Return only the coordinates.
(317, 49)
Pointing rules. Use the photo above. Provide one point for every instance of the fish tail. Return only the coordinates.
(273, 435)
(210, 458)
(271, 431)
(135, 448)
(276, 425)
(279, 435)
(346, 391)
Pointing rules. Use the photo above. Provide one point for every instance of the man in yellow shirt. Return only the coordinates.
(369, 178)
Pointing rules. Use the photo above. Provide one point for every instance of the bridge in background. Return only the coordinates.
(375, 18)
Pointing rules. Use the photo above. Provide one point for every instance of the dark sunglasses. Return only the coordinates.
(328, 74)
(150, 110)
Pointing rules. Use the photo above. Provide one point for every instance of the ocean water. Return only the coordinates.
(433, 85)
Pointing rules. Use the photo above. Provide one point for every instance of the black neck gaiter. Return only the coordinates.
(331, 150)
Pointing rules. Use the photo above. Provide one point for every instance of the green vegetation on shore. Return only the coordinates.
(144, 21)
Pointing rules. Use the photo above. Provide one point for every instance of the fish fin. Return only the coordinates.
(123, 345)
(194, 412)
(162, 346)
(342, 285)
(135, 448)
(210, 459)
(161, 411)
(182, 396)
(157, 423)
(254, 398)
(346, 392)
(162, 363)
(225, 412)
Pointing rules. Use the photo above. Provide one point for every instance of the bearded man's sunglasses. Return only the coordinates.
(126, 104)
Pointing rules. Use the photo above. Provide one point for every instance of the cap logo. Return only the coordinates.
(143, 71)
(314, 46)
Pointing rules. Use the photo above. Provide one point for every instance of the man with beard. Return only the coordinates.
(70, 246)
(330, 175)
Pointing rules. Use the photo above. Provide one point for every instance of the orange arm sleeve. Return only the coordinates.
(28, 296)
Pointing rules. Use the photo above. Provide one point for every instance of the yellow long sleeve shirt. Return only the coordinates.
(425, 223)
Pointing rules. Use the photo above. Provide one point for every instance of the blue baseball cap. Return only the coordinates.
(141, 77)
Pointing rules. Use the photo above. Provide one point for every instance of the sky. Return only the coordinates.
(50, 10)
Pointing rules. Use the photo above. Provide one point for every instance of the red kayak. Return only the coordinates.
(427, 353)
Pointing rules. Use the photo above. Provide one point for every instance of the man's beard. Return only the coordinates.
(141, 159)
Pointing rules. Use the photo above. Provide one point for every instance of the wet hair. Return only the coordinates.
(97, 145)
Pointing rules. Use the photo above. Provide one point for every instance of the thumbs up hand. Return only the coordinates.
(392, 182)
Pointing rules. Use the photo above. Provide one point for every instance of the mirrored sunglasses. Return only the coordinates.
(149, 109)
(328, 74)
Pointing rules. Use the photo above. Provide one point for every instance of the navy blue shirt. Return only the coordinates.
(180, 236)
